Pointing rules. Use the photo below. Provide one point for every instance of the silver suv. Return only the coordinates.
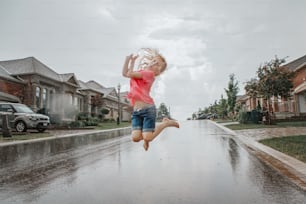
(21, 117)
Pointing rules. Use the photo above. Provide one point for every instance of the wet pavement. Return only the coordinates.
(288, 166)
(198, 163)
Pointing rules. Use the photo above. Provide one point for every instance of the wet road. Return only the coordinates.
(198, 163)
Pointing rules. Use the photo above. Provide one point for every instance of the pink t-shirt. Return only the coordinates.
(140, 88)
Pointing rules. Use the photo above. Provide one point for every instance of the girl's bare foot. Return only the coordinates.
(146, 145)
(170, 123)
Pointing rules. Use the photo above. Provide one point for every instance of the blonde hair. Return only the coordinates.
(146, 57)
(164, 66)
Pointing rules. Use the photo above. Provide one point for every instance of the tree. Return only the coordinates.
(272, 80)
(162, 112)
(103, 112)
(251, 88)
(222, 107)
(231, 93)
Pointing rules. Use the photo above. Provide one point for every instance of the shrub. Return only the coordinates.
(92, 122)
(243, 117)
(76, 124)
(82, 116)
(104, 111)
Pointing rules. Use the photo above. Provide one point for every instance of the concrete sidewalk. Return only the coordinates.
(288, 166)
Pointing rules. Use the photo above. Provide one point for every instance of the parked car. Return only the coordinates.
(202, 116)
(21, 117)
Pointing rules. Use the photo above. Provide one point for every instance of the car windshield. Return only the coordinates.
(20, 108)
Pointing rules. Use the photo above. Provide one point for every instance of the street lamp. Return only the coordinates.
(118, 118)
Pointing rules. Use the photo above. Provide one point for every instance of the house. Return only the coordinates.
(111, 100)
(43, 89)
(92, 98)
(299, 86)
(243, 102)
(127, 109)
(61, 96)
(285, 108)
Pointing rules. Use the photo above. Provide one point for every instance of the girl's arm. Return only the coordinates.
(128, 67)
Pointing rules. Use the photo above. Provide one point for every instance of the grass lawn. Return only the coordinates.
(248, 126)
(257, 126)
(294, 146)
(223, 120)
(24, 136)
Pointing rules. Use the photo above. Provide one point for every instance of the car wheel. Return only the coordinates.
(21, 126)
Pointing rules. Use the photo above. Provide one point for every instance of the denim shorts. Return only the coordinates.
(144, 119)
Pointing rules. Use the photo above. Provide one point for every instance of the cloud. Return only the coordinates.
(105, 12)
(203, 41)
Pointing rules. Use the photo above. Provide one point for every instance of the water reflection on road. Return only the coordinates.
(199, 163)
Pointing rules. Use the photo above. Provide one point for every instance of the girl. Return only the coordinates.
(144, 110)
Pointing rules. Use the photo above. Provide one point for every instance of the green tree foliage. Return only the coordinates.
(222, 107)
(218, 109)
(274, 80)
(251, 88)
(162, 112)
(231, 93)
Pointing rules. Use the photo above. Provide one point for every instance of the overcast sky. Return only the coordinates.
(204, 41)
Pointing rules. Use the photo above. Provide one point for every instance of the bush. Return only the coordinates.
(254, 116)
(77, 124)
(243, 117)
(82, 116)
(92, 122)
(104, 111)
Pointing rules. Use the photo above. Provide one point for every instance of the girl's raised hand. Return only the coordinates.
(129, 57)
(133, 57)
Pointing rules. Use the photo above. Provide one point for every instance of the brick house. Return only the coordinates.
(285, 108)
(31, 82)
(299, 86)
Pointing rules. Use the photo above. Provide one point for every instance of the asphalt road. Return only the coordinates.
(198, 163)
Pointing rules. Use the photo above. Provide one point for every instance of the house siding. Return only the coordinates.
(13, 88)
(300, 77)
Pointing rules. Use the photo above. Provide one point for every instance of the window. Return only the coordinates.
(279, 99)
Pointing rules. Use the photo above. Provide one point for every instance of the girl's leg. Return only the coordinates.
(137, 135)
(149, 136)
